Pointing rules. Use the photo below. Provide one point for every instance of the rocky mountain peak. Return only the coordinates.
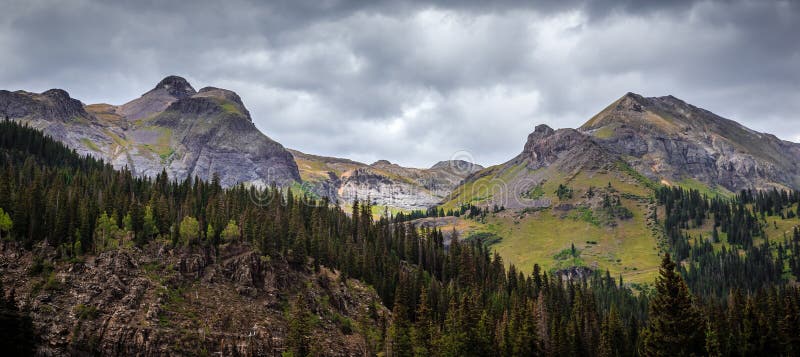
(176, 86)
(219, 93)
(166, 92)
(540, 132)
(632, 101)
(544, 129)
(569, 148)
(665, 138)
(54, 104)
(381, 163)
(67, 105)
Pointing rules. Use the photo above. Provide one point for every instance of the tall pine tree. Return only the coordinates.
(675, 327)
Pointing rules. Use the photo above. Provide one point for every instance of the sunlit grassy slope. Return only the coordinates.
(626, 247)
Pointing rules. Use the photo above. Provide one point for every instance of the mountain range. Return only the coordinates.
(189, 133)
(555, 190)
(188, 269)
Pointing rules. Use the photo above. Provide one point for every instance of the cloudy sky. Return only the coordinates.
(417, 82)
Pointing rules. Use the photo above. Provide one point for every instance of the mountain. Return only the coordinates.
(96, 261)
(384, 183)
(191, 133)
(171, 127)
(668, 140)
(591, 187)
(638, 139)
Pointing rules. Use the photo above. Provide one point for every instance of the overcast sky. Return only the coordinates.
(417, 82)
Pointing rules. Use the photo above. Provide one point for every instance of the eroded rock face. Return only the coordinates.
(55, 104)
(569, 149)
(170, 128)
(382, 182)
(667, 139)
(179, 301)
(364, 184)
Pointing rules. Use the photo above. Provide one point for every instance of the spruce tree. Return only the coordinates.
(299, 327)
(675, 327)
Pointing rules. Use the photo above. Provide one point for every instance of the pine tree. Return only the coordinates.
(421, 333)
(675, 327)
(299, 327)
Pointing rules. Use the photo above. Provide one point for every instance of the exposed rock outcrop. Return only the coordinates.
(170, 128)
(667, 139)
(181, 301)
(383, 182)
(637, 141)
(569, 149)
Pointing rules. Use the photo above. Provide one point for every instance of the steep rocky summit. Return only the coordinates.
(170, 128)
(637, 141)
(668, 140)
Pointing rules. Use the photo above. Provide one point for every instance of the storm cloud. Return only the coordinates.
(416, 82)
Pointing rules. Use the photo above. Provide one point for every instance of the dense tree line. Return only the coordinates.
(746, 286)
(447, 298)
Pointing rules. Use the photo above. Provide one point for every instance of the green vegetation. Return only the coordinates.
(5, 223)
(90, 144)
(485, 238)
(567, 258)
(563, 192)
(605, 132)
(583, 213)
(692, 184)
(538, 237)
(445, 301)
(646, 182)
(676, 327)
(189, 230)
(492, 181)
(534, 193)
(230, 108)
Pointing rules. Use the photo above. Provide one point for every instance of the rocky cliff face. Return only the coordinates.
(568, 149)
(172, 127)
(667, 139)
(159, 300)
(549, 158)
(662, 139)
(384, 183)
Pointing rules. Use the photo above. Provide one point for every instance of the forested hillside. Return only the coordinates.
(736, 298)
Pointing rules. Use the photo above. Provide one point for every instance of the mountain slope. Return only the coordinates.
(564, 190)
(591, 187)
(171, 127)
(667, 139)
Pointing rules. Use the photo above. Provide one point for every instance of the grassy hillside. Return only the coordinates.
(546, 231)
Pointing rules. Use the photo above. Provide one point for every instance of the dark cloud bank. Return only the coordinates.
(415, 82)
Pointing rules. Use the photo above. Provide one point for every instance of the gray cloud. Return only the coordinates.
(414, 81)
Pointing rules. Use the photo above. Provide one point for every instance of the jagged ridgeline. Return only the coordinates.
(106, 262)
